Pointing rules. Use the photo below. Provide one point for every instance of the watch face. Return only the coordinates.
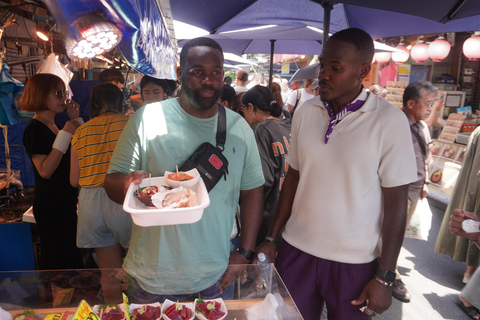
(390, 276)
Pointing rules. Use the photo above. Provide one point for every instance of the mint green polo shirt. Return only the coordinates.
(188, 258)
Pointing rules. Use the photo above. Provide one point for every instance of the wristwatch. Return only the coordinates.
(248, 254)
(386, 275)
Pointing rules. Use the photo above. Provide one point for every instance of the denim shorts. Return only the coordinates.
(101, 222)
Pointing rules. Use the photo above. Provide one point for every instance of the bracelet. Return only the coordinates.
(385, 283)
(271, 239)
(62, 141)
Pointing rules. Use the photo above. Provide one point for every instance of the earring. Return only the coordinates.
(164, 96)
(251, 113)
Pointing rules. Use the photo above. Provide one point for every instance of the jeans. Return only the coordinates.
(138, 295)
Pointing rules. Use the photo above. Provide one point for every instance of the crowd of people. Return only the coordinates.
(324, 179)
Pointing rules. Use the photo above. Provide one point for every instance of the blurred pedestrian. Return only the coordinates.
(102, 223)
(258, 104)
(465, 196)
(55, 200)
(418, 100)
(469, 298)
(227, 97)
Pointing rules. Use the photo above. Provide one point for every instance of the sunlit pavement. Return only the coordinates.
(434, 280)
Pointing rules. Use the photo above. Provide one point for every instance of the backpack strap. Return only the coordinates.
(299, 96)
(221, 127)
(421, 143)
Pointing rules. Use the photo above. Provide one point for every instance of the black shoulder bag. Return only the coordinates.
(208, 159)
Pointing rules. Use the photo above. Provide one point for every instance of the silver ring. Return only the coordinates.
(370, 313)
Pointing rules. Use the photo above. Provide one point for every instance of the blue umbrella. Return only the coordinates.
(379, 18)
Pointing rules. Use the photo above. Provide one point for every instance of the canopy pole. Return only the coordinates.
(270, 73)
(327, 8)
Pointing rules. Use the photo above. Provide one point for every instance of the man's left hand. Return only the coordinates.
(235, 268)
(377, 295)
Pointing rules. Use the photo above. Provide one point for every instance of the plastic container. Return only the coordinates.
(172, 183)
(151, 216)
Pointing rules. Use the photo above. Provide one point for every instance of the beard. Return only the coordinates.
(199, 102)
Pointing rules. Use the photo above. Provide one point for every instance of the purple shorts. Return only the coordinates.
(312, 281)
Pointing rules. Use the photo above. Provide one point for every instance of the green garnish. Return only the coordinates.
(27, 313)
(103, 306)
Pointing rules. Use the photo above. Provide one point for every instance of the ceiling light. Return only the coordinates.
(91, 34)
(42, 35)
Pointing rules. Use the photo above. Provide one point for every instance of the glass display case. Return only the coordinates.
(59, 291)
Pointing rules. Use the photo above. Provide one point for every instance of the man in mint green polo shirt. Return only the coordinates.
(184, 260)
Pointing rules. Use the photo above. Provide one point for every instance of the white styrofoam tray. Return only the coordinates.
(151, 216)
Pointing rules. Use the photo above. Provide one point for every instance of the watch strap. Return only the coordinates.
(246, 253)
(385, 283)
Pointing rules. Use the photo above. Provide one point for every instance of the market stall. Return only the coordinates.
(53, 292)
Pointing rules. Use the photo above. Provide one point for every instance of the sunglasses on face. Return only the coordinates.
(60, 94)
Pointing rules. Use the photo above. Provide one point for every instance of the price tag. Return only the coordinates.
(127, 306)
(85, 312)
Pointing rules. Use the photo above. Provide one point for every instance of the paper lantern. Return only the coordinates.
(420, 50)
(471, 47)
(401, 57)
(438, 49)
(383, 57)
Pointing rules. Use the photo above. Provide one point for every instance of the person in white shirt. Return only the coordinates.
(343, 202)
(297, 97)
(242, 80)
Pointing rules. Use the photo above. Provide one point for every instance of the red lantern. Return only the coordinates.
(471, 47)
(420, 50)
(383, 57)
(401, 57)
(438, 49)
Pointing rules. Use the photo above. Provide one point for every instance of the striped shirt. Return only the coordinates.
(94, 143)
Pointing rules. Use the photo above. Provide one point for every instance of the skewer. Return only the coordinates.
(149, 178)
(176, 167)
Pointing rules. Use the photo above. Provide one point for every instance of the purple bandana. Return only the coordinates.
(334, 118)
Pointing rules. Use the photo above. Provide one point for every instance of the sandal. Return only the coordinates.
(471, 311)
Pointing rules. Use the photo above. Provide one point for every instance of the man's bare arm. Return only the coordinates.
(117, 183)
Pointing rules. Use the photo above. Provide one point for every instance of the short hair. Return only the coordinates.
(228, 94)
(307, 82)
(414, 90)
(242, 75)
(36, 91)
(111, 75)
(227, 80)
(361, 40)
(105, 97)
(197, 42)
(168, 86)
(262, 98)
(237, 102)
